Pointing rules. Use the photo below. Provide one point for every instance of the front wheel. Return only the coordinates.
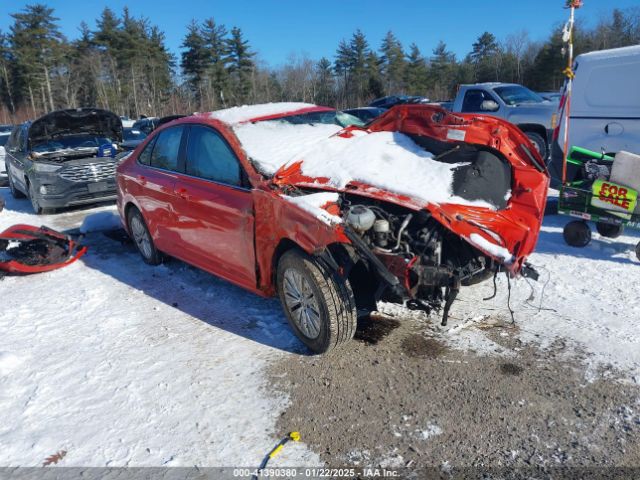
(142, 238)
(318, 303)
(15, 193)
(577, 233)
(39, 210)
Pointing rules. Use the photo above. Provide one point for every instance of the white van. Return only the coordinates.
(605, 106)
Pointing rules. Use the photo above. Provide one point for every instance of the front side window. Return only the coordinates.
(165, 150)
(473, 100)
(209, 157)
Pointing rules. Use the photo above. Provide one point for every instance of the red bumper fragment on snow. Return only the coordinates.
(26, 249)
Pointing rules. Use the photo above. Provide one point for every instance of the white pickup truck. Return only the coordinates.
(534, 115)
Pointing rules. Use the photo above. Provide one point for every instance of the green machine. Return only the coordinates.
(593, 197)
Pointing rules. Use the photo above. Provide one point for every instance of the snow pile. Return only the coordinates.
(101, 221)
(245, 113)
(272, 144)
(314, 204)
(387, 160)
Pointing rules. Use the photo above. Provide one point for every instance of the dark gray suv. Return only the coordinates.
(64, 158)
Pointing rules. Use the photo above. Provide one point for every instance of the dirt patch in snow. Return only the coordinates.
(401, 397)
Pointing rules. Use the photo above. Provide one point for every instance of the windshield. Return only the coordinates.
(3, 140)
(516, 94)
(133, 134)
(71, 142)
(331, 117)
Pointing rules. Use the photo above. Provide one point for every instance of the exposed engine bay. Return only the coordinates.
(402, 255)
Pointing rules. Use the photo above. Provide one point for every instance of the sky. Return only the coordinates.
(277, 29)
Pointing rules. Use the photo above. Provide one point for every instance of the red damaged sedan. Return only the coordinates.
(295, 200)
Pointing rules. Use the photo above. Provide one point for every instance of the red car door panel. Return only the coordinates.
(216, 228)
(214, 212)
(156, 199)
(155, 177)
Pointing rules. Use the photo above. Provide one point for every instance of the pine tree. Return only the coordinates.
(325, 90)
(416, 72)
(442, 72)
(240, 65)
(484, 57)
(195, 60)
(36, 44)
(393, 64)
(6, 80)
(217, 53)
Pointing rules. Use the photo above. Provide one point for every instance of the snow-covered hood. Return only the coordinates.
(391, 162)
(81, 121)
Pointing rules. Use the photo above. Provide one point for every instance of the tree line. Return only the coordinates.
(124, 65)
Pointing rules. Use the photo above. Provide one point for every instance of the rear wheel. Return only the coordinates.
(318, 303)
(609, 230)
(638, 250)
(577, 233)
(142, 238)
(15, 193)
(539, 143)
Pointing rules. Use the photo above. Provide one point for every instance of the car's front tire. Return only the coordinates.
(15, 193)
(142, 237)
(318, 303)
(39, 210)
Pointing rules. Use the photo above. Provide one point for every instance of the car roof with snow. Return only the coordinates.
(266, 111)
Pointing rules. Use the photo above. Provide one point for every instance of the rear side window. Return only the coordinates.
(165, 149)
(209, 157)
(145, 156)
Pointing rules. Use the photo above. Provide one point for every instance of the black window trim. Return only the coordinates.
(244, 179)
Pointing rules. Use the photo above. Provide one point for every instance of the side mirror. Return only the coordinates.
(489, 106)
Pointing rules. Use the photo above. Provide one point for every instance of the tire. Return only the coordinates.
(539, 143)
(15, 193)
(329, 318)
(577, 234)
(34, 203)
(638, 251)
(142, 238)
(608, 230)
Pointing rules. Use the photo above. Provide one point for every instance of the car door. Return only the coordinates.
(215, 209)
(154, 187)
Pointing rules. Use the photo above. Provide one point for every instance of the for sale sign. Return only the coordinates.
(618, 199)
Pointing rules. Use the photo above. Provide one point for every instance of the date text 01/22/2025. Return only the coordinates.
(314, 473)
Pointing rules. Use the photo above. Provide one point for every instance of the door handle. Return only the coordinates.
(606, 129)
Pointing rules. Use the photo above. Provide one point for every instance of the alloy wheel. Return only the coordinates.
(302, 303)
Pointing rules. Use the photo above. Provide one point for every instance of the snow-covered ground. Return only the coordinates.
(586, 299)
(119, 363)
(122, 364)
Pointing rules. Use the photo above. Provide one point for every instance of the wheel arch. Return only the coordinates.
(535, 128)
